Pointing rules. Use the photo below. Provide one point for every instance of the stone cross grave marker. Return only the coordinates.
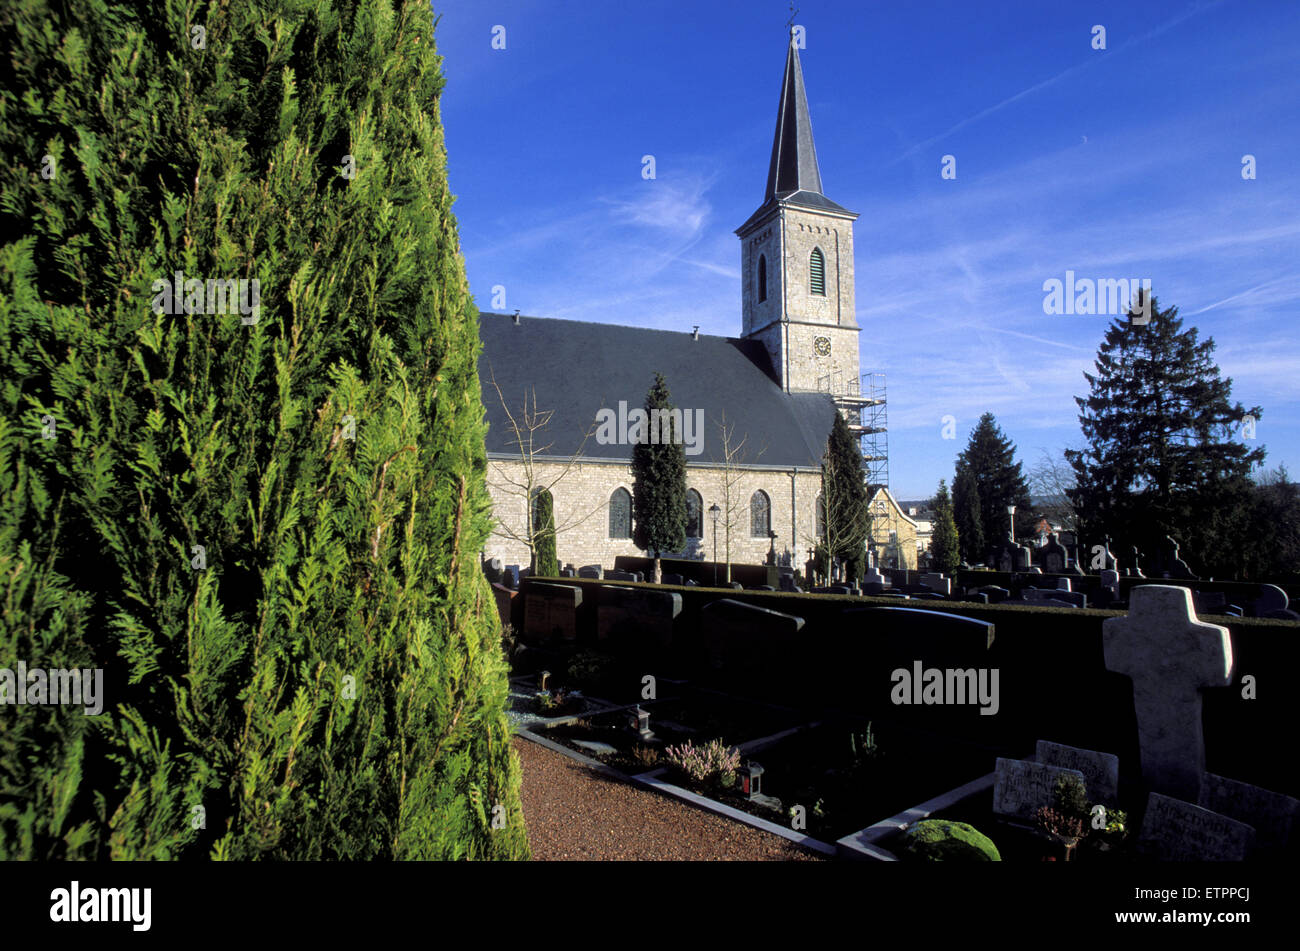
(1020, 787)
(1177, 831)
(1170, 656)
(1100, 770)
(1055, 555)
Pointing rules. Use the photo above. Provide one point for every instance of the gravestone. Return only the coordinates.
(1169, 565)
(1021, 787)
(637, 619)
(672, 578)
(874, 577)
(1136, 570)
(738, 634)
(1063, 584)
(1271, 598)
(551, 611)
(494, 570)
(1110, 581)
(1055, 597)
(591, 571)
(1100, 770)
(996, 595)
(832, 589)
(937, 582)
(1209, 602)
(1177, 831)
(616, 575)
(1170, 656)
(1272, 815)
(890, 637)
(1055, 557)
(1101, 558)
(512, 577)
(568, 573)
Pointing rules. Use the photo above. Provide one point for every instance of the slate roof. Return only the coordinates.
(578, 368)
(793, 176)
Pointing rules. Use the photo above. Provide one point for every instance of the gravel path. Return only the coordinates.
(575, 813)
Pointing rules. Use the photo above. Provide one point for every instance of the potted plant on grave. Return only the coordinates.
(1107, 831)
(1064, 822)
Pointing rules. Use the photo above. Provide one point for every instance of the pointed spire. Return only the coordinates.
(794, 157)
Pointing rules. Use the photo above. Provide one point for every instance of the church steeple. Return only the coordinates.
(797, 258)
(794, 156)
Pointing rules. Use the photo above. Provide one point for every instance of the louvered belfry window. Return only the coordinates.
(817, 273)
(762, 278)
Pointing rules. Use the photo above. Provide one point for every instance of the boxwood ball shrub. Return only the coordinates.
(942, 840)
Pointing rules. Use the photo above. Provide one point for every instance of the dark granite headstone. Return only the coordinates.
(1177, 831)
(551, 611)
(738, 634)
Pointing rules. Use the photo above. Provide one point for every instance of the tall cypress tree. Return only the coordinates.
(944, 539)
(990, 458)
(545, 562)
(261, 504)
(967, 516)
(846, 513)
(1162, 456)
(659, 478)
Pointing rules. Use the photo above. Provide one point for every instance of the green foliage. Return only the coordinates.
(942, 840)
(968, 517)
(545, 562)
(1162, 457)
(659, 481)
(944, 542)
(989, 458)
(845, 511)
(331, 685)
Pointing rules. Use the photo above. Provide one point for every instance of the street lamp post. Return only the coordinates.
(1011, 514)
(715, 512)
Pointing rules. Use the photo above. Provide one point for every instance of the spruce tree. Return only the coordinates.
(944, 540)
(258, 511)
(967, 515)
(845, 508)
(1163, 455)
(990, 457)
(545, 562)
(659, 478)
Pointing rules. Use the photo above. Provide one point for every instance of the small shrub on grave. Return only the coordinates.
(943, 840)
(556, 703)
(589, 669)
(1070, 799)
(713, 764)
(1062, 827)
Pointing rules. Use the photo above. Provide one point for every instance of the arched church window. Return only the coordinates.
(760, 514)
(620, 514)
(817, 273)
(762, 278)
(694, 514)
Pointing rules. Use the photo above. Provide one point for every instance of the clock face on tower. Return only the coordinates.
(822, 346)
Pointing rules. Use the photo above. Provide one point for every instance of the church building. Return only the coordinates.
(756, 409)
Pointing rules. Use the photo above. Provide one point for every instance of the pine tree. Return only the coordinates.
(659, 477)
(944, 540)
(545, 563)
(1161, 458)
(264, 502)
(845, 511)
(966, 513)
(990, 458)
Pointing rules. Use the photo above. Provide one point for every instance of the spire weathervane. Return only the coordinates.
(790, 22)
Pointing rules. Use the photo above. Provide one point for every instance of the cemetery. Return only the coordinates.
(1133, 732)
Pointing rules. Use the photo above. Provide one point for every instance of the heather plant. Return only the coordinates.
(712, 763)
(264, 527)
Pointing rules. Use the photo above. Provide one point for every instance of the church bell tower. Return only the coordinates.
(797, 259)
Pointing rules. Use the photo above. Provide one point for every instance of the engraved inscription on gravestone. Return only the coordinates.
(1177, 831)
(1020, 787)
(1100, 770)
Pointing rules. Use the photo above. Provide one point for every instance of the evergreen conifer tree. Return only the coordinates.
(1162, 455)
(546, 564)
(966, 513)
(944, 540)
(259, 506)
(990, 457)
(659, 478)
(846, 514)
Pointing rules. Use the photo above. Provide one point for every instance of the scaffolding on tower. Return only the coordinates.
(863, 403)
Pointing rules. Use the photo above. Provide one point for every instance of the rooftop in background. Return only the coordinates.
(578, 368)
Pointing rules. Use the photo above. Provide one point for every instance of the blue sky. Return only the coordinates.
(1123, 162)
